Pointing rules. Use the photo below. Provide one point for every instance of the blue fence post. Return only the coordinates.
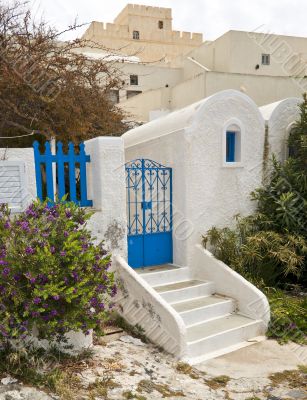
(83, 159)
(49, 173)
(60, 171)
(72, 173)
(38, 173)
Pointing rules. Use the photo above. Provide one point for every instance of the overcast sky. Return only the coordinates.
(211, 17)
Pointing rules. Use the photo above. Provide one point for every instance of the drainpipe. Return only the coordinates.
(198, 64)
(205, 69)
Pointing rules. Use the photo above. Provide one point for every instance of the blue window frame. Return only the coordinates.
(230, 146)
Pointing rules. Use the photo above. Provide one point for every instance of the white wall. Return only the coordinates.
(107, 189)
(280, 118)
(170, 151)
(27, 157)
(262, 89)
(205, 192)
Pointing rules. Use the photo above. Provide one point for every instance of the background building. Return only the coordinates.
(145, 32)
(166, 70)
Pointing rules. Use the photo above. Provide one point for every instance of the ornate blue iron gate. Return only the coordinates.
(149, 211)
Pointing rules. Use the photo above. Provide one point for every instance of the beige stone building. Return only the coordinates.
(145, 32)
(267, 67)
(165, 70)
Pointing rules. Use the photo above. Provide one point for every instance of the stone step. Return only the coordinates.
(166, 276)
(219, 333)
(204, 308)
(185, 290)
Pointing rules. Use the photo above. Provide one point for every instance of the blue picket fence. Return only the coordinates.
(76, 163)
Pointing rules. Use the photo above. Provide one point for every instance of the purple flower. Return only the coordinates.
(63, 253)
(56, 297)
(75, 275)
(67, 213)
(101, 306)
(113, 291)
(100, 288)
(43, 279)
(37, 300)
(25, 226)
(6, 271)
(94, 301)
(17, 277)
(52, 249)
(53, 313)
(30, 250)
(35, 314)
(45, 234)
(7, 225)
(3, 262)
(31, 213)
(66, 280)
(66, 234)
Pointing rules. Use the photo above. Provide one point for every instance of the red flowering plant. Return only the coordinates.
(52, 276)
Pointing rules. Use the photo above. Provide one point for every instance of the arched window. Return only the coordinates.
(232, 145)
(136, 35)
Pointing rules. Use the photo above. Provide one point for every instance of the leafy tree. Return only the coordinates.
(48, 87)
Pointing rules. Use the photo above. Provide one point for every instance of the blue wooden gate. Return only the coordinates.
(149, 211)
(68, 167)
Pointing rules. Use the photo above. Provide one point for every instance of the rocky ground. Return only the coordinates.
(127, 368)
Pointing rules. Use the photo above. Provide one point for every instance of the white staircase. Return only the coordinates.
(213, 324)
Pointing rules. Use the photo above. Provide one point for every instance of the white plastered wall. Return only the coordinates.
(205, 191)
(25, 156)
(280, 118)
(106, 187)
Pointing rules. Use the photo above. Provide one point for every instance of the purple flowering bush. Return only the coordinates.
(52, 276)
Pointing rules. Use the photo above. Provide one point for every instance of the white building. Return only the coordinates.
(267, 68)
(183, 173)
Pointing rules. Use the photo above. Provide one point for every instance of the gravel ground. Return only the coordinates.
(131, 369)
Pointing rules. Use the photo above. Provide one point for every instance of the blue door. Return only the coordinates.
(149, 212)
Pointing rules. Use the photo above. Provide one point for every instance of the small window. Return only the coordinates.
(266, 59)
(230, 146)
(114, 96)
(136, 35)
(132, 93)
(161, 25)
(134, 80)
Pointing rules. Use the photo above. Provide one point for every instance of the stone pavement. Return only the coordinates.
(142, 372)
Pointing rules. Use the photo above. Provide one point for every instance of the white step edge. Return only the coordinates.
(187, 293)
(159, 278)
(209, 320)
(225, 350)
(206, 313)
(231, 336)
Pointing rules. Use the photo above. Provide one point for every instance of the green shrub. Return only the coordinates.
(259, 255)
(52, 276)
(288, 316)
(282, 201)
